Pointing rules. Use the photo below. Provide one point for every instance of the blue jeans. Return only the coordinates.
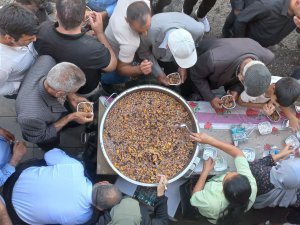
(113, 78)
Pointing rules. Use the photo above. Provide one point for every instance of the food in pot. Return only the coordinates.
(141, 137)
(174, 79)
(228, 102)
(275, 117)
(85, 107)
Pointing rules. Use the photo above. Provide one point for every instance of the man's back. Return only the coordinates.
(266, 21)
(55, 194)
(36, 109)
(84, 51)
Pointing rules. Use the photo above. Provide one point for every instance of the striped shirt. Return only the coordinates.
(37, 111)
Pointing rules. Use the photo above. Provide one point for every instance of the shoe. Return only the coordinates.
(203, 20)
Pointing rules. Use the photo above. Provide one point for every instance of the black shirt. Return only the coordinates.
(85, 51)
(266, 21)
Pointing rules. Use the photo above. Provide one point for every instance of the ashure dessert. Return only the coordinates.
(85, 107)
(275, 116)
(174, 79)
(141, 136)
(228, 102)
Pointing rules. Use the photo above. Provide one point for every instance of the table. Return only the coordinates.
(255, 141)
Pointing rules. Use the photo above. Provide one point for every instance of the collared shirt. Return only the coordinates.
(6, 170)
(265, 21)
(101, 5)
(14, 63)
(58, 193)
(37, 110)
(211, 201)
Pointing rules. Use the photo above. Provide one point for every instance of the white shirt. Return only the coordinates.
(123, 40)
(260, 99)
(55, 194)
(14, 63)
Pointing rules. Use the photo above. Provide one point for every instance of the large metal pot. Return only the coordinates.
(158, 89)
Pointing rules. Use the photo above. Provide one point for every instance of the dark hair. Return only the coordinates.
(237, 191)
(38, 3)
(106, 196)
(138, 11)
(287, 90)
(16, 21)
(70, 13)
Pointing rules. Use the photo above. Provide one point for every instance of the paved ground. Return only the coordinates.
(287, 58)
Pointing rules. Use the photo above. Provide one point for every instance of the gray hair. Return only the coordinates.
(65, 77)
(138, 11)
(105, 196)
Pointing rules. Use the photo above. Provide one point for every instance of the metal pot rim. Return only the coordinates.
(154, 88)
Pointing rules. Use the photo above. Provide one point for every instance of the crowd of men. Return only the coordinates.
(49, 65)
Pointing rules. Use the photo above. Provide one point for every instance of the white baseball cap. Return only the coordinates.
(182, 47)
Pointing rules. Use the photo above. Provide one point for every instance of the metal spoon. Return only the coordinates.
(183, 125)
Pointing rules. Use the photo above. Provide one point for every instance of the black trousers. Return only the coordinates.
(204, 8)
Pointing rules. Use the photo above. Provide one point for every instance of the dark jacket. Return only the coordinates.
(265, 21)
(159, 217)
(218, 60)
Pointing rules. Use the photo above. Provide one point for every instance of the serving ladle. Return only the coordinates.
(183, 125)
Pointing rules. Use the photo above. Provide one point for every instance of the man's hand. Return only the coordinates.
(82, 117)
(268, 108)
(294, 123)
(19, 150)
(96, 22)
(297, 21)
(7, 135)
(208, 165)
(183, 74)
(216, 103)
(162, 79)
(75, 99)
(201, 138)
(146, 67)
(162, 185)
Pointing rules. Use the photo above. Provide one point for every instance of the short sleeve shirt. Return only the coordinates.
(122, 38)
(211, 201)
(85, 51)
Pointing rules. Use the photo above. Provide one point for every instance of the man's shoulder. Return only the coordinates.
(46, 27)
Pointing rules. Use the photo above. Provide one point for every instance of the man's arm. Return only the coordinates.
(144, 52)
(38, 131)
(126, 69)
(255, 11)
(97, 26)
(7, 88)
(19, 151)
(200, 73)
(4, 217)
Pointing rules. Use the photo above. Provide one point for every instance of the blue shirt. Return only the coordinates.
(103, 5)
(58, 193)
(6, 170)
